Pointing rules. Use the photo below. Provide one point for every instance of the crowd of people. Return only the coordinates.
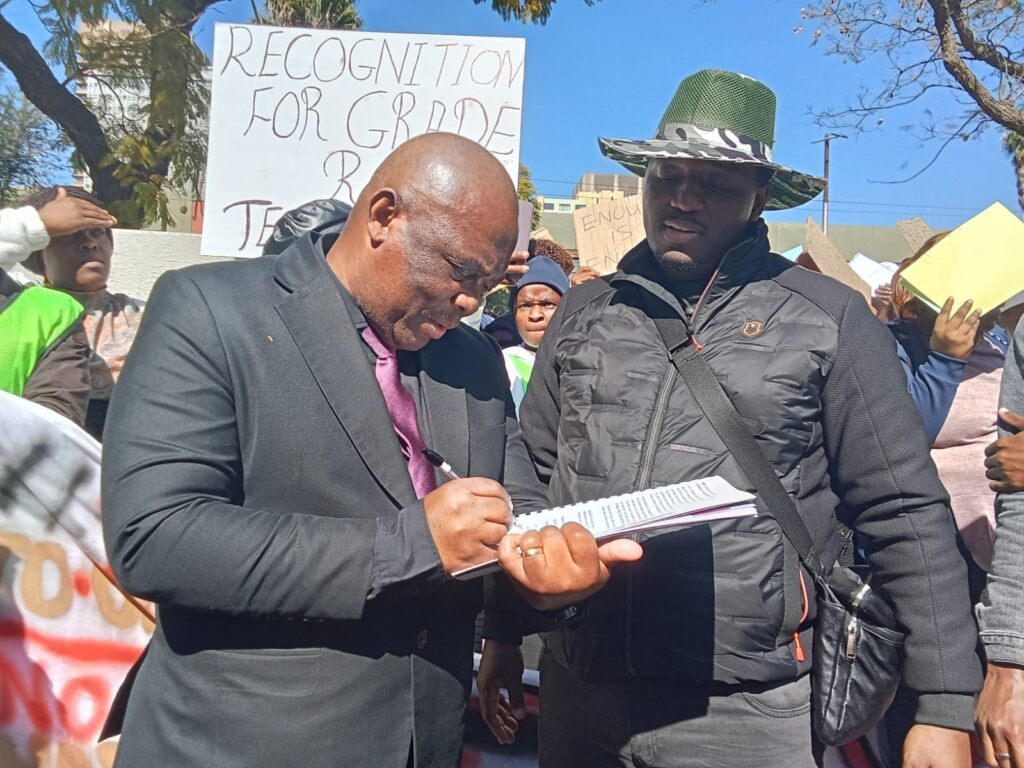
(266, 425)
(72, 334)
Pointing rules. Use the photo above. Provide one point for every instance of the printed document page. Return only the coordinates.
(671, 506)
(619, 514)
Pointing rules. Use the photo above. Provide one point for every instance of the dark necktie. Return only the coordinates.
(403, 414)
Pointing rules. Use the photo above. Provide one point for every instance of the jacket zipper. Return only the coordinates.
(650, 446)
(643, 478)
(798, 649)
(699, 306)
(707, 289)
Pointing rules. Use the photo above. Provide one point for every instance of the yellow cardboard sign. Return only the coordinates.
(982, 260)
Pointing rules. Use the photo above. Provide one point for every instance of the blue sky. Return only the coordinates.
(610, 70)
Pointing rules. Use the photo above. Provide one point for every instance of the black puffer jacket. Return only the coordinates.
(816, 378)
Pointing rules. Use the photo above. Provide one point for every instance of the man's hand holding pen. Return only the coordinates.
(467, 518)
(551, 568)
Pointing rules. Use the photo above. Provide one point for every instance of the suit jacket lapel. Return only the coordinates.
(440, 372)
(322, 328)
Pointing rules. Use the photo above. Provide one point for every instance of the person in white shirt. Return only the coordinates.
(532, 303)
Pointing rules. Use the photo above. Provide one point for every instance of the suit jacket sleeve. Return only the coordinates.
(175, 523)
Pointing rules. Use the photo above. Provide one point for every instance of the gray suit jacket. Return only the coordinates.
(250, 465)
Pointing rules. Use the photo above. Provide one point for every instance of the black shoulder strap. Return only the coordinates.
(722, 416)
(584, 293)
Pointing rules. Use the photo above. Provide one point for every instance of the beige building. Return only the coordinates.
(593, 188)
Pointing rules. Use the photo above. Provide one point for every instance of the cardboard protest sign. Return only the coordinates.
(830, 261)
(916, 232)
(541, 234)
(605, 231)
(67, 635)
(981, 260)
(301, 114)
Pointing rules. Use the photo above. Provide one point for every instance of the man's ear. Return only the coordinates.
(382, 211)
(760, 201)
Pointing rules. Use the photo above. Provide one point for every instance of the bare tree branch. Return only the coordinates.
(971, 51)
(984, 51)
(39, 85)
(935, 157)
(1003, 112)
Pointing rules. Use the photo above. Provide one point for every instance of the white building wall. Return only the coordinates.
(140, 257)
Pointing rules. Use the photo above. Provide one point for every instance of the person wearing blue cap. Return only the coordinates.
(532, 303)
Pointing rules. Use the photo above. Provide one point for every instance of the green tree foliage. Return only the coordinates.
(314, 14)
(134, 152)
(536, 11)
(30, 147)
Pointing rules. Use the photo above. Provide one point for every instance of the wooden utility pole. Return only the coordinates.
(826, 140)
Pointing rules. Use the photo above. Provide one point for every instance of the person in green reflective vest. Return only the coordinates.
(44, 353)
(532, 303)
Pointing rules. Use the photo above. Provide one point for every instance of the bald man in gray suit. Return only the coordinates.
(264, 485)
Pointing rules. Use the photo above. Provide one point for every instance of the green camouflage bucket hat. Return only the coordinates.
(721, 116)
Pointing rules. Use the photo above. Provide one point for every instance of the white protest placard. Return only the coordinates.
(874, 273)
(302, 114)
(605, 231)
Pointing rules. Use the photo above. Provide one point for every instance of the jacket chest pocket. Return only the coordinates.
(604, 415)
(777, 387)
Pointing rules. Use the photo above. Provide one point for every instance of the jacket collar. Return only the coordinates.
(302, 262)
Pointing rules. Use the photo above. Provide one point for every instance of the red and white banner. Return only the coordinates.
(67, 635)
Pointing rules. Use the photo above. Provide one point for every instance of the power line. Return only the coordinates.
(917, 207)
(900, 205)
(862, 212)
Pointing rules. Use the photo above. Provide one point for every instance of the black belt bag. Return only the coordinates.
(857, 649)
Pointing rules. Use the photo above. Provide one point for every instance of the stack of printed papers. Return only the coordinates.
(671, 506)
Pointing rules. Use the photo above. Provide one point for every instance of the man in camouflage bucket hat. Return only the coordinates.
(721, 116)
(698, 654)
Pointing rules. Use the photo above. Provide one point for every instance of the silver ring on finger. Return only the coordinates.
(1003, 757)
(532, 552)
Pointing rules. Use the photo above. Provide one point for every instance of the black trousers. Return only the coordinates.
(673, 724)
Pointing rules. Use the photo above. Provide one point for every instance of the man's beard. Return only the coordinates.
(678, 269)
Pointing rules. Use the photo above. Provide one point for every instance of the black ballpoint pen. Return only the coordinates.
(438, 461)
